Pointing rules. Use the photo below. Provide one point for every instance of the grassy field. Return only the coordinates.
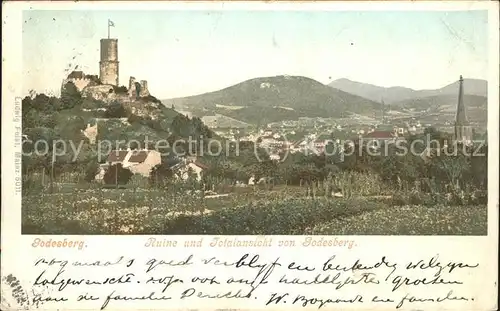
(411, 220)
(282, 210)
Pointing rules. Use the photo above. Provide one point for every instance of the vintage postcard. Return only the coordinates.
(250, 155)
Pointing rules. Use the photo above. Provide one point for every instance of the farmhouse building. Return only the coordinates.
(137, 161)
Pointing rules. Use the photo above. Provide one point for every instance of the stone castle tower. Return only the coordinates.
(108, 66)
(463, 130)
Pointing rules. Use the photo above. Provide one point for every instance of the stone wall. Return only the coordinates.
(99, 92)
(144, 88)
(132, 88)
(80, 80)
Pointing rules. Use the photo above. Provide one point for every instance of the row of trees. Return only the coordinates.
(438, 173)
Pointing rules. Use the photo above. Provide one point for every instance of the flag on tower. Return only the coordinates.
(110, 24)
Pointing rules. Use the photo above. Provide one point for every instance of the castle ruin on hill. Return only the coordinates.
(106, 86)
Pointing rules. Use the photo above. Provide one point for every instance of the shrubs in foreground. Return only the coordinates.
(289, 216)
(458, 198)
(125, 212)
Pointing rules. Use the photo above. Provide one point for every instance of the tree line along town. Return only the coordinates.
(256, 242)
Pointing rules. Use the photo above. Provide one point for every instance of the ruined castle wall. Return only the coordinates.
(131, 87)
(144, 88)
(99, 92)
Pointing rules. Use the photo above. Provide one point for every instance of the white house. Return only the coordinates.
(137, 161)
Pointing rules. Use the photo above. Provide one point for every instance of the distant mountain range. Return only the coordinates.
(437, 102)
(397, 94)
(270, 99)
(442, 102)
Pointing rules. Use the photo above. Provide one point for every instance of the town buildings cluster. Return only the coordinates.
(313, 135)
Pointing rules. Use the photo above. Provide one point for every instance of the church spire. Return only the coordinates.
(463, 132)
(461, 117)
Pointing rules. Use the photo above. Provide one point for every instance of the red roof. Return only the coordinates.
(138, 156)
(117, 155)
(380, 135)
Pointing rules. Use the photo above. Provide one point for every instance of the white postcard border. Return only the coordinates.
(17, 248)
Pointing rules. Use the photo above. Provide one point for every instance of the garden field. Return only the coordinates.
(248, 211)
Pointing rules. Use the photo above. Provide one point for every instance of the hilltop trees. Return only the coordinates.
(193, 129)
(70, 96)
(40, 111)
(116, 110)
(185, 127)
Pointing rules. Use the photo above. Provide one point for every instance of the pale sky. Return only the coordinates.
(184, 53)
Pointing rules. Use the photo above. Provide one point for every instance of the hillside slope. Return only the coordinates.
(446, 105)
(67, 119)
(270, 99)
